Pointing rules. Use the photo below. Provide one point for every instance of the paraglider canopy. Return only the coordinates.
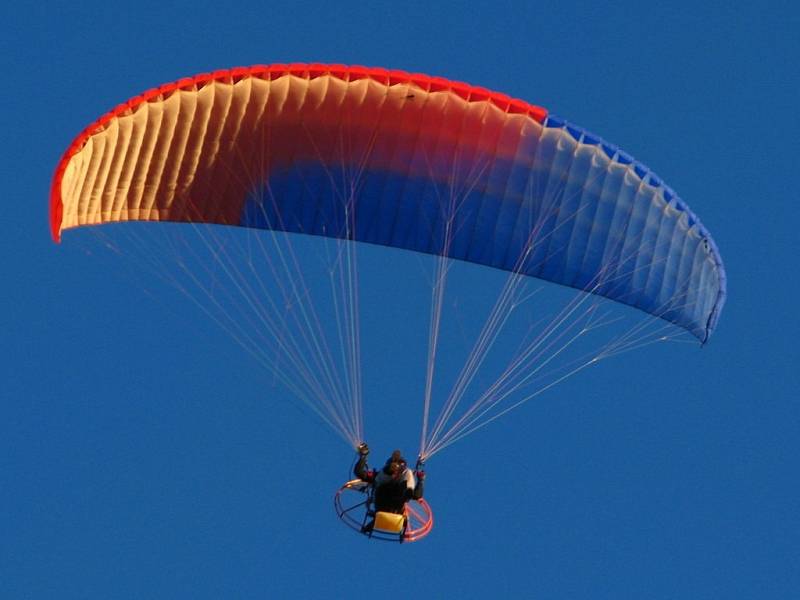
(304, 148)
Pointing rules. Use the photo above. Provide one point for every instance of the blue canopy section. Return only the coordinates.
(567, 207)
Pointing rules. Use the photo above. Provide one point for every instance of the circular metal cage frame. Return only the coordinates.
(354, 505)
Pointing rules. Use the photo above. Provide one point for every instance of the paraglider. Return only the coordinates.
(419, 163)
(385, 509)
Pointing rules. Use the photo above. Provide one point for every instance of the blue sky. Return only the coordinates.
(143, 454)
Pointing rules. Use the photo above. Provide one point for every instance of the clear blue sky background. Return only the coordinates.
(143, 455)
